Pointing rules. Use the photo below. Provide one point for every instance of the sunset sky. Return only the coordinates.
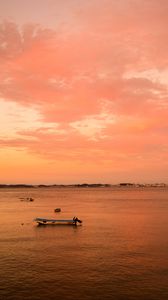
(83, 91)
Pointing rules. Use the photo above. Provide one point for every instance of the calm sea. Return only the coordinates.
(120, 252)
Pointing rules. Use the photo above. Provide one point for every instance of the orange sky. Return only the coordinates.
(83, 91)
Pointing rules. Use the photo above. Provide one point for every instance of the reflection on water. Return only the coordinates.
(119, 252)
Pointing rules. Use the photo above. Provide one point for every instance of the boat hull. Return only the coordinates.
(44, 222)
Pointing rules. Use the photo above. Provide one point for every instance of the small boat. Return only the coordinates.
(43, 221)
(57, 209)
(27, 199)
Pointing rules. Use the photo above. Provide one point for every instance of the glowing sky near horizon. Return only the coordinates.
(83, 91)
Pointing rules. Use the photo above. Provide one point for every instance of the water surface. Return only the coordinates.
(120, 251)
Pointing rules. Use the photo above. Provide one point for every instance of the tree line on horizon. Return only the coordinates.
(83, 185)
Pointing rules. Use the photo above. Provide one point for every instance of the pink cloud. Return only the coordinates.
(98, 67)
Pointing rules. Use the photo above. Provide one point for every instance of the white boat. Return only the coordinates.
(43, 221)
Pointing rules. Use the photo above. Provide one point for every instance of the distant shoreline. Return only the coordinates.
(84, 185)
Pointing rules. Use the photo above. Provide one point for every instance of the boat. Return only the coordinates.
(27, 199)
(43, 221)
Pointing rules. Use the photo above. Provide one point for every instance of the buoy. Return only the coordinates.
(57, 209)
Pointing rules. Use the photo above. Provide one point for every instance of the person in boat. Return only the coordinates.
(75, 219)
